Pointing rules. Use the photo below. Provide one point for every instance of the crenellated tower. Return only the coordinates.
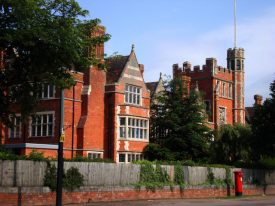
(235, 62)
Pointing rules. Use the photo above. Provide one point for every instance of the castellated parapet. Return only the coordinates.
(209, 67)
(222, 88)
(235, 53)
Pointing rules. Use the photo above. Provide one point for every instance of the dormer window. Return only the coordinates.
(132, 94)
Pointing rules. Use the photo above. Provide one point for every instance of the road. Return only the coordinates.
(244, 201)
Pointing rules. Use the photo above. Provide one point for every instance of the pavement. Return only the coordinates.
(243, 201)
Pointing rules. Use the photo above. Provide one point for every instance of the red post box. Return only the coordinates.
(238, 183)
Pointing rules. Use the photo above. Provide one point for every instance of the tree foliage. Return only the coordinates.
(263, 127)
(179, 122)
(155, 152)
(232, 144)
(39, 42)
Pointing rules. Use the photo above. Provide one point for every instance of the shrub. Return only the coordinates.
(267, 163)
(73, 179)
(151, 177)
(5, 155)
(79, 158)
(179, 174)
(210, 176)
(161, 174)
(147, 173)
(228, 179)
(36, 156)
(50, 176)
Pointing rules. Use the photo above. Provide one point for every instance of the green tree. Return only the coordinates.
(232, 144)
(39, 42)
(263, 127)
(179, 123)
(155, 152)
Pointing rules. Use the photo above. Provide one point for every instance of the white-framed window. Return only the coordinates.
(15, 131)
(230, 90)
(132, 94)
(218, 87)
(122, 127)
(95, 155)
(133, 128)
(124, 157)
(222, 115)
(223, 89)
(42, 124)
(47, 91)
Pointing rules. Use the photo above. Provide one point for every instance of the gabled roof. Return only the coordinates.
(115, 66)
(152, 86)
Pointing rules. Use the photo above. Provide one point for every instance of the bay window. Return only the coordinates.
(133, 128)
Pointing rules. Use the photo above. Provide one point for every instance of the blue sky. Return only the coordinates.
(173, 31)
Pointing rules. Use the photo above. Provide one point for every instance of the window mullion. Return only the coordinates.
(41, 125)
(126, 129)
(47, 126)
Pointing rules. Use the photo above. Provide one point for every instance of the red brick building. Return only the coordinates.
(127, 109)
(106, 115)
(222, 88)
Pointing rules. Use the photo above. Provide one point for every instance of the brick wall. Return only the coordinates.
(118, 193)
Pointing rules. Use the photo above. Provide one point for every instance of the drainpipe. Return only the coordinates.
(73, 115)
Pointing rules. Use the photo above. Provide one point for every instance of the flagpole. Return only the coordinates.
(235, 24)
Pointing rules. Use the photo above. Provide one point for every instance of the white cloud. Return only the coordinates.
(255, 35)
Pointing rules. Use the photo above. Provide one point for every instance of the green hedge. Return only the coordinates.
(39, 156)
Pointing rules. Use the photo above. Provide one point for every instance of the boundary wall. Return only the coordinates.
(21, 183)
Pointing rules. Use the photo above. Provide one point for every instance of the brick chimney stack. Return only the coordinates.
(258, 99)
(141, 68)
(98, 50)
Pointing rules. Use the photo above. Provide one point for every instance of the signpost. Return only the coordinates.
(60, 162)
